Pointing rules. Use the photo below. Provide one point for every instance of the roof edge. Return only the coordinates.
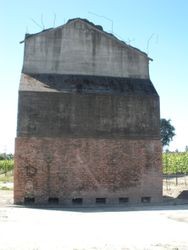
(98, 28)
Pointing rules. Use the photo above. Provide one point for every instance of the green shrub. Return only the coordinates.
(175, 163)
(6, 166)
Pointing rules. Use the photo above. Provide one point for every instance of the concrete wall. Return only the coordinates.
(88, 115)
(79, 48)
(63, 169)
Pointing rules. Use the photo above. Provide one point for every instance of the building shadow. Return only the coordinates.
(168, 203)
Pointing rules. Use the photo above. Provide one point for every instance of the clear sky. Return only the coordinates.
(158, 27)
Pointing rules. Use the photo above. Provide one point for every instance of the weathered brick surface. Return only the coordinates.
(86, 168)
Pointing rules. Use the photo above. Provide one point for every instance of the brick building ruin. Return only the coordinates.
(88, 127)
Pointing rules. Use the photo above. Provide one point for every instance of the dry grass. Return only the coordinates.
(6, 178)
(173, 186)
(6, 181)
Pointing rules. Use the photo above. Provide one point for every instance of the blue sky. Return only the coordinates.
(158, 27)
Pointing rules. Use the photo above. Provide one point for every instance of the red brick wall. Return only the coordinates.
(86, 168)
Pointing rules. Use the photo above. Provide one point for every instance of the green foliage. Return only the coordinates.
(4, 156)
(6, 166)
(175, 163)
(167, 132)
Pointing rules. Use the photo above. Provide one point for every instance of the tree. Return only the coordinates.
(167, 132)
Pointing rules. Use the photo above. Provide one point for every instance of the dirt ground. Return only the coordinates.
(162, 227)
(154, 227)
(173, 187)
(6, 197)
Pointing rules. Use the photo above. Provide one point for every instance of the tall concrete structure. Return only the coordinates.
(88, 120)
